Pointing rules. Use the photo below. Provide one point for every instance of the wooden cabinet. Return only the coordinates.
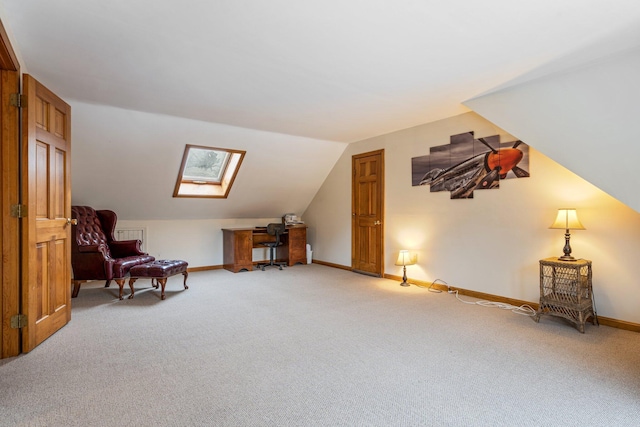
(238, 244)
(294, 249)
(237, 249)
(566, 291)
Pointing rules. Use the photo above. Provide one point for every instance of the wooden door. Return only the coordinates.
(367, 247)
(46, 230)
(10, 229)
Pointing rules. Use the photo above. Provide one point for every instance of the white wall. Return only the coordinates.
(584, 118)
(491, 243)
(199, 242)
(12, 39)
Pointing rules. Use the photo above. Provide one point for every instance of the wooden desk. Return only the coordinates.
(238, 244)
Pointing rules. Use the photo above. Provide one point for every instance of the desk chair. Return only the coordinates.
(273, 229)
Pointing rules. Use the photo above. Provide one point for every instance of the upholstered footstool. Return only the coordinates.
(158, 271)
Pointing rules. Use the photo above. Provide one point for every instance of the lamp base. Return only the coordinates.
(404, 276)
(567, 248)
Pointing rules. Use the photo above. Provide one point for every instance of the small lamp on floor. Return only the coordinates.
(406, 258)
(567, 219)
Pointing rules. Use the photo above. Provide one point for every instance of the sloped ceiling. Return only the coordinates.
(340, 70)
(128, 161)
(289, 81)
(585, 119)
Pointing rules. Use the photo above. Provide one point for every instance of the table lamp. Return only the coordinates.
(567, 219)
(405, 258)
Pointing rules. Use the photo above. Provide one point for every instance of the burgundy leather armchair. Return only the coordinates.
(95, 254)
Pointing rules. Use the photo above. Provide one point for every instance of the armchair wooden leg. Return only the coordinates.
(106, 285)
(76, 288)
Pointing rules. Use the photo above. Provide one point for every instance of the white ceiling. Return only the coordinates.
(340, 70)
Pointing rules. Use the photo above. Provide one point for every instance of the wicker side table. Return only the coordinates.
(566, 291)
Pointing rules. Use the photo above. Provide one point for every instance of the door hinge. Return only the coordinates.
(18, 321)
(19, 211)
(18, 100)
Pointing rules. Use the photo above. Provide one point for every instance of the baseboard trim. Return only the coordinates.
(620, 324)
(205, 268)
(330, 264)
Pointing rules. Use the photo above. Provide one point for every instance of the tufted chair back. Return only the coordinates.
(89, 231)
(95, 254)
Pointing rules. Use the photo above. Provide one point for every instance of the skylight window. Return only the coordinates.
(207, 171)
(205, 165)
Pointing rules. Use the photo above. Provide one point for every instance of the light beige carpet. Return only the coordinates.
(316, 346)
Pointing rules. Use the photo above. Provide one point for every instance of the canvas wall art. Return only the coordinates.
(467, 164)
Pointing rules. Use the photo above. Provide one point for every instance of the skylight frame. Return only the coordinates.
(195, 186)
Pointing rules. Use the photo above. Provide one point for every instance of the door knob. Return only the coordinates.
(377, 223)
(72, 221)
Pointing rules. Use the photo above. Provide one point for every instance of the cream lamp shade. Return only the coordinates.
(567, 219)
(406, 258)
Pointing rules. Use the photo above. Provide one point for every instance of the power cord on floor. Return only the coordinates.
(430, 287)
(525, 309)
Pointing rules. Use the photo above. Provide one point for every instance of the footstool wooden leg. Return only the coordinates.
(185, 274)
(132, 280)
(162, 281)
(120, 283)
